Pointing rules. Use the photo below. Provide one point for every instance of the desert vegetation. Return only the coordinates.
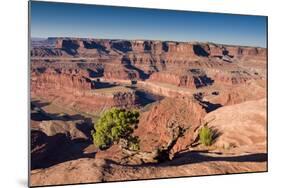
(206, 135)
(116, 126)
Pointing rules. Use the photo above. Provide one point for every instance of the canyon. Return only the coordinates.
(174, 85)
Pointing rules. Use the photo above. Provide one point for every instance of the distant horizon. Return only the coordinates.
(209, 42)
(67, 20)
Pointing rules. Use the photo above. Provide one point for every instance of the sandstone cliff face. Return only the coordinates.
(119, 71)
(235, 77)
(46, 52)
(170, 91)
(178, 80)
(160, 61)
(191, 78)
(247, 52)
(43, 79)
(235, 94)
(74, 88)
(168, 49)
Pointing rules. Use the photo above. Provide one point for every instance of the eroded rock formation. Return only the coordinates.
(76, 89)
(194, 83)
(172, 120)
(240, 125)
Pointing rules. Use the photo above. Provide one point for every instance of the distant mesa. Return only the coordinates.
(78, 47)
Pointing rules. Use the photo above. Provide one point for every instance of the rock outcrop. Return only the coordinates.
(87, 170)
(191, 78)
(240, 125)
(235, 94)
(159, 126)
(68, 79)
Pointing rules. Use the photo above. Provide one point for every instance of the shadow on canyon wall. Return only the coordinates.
(47, 150)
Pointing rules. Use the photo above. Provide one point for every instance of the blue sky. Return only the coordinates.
(77, 20)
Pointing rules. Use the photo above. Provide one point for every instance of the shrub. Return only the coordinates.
(133, 143)
(206, 135)
(113, 125)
